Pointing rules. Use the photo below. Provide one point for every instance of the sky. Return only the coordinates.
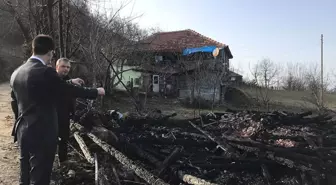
(282, 30)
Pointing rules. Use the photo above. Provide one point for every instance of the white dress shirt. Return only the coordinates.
(37, 58)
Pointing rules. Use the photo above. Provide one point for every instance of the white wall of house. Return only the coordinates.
(129, 76)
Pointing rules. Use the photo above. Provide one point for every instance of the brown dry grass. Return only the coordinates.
(9, 161)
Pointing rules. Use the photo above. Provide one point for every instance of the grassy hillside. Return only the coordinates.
(290, 99)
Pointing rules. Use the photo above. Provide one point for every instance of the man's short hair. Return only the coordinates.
(62, 60)
(42, 44)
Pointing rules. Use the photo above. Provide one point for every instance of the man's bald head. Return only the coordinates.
(62, 60)
(63, 66)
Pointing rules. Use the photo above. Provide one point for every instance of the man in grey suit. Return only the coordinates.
(36, 89)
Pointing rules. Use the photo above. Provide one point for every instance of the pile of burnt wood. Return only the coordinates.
(218, 148)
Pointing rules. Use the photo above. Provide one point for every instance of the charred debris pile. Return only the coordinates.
(217, 148)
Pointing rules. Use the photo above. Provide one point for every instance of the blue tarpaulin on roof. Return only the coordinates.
(206, 49)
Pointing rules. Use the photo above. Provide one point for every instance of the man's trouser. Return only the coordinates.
(63, 129)
(36, 156)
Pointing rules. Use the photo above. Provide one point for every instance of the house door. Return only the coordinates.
(156, 87)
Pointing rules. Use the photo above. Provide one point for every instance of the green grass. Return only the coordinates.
(294, 99)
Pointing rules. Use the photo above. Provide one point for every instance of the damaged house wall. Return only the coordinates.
(204, 81)
(204, 89)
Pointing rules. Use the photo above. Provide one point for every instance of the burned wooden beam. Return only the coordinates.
(251, 140)
(224, 146)
(84, 148)
(281, 160)
(178, 132)
(266, 174)
(141, 172)
(115, 175)
(172, 141)
(135, 150)
(122, 144)
(192, 179)
(282, 154)
(96, 169)
(170, 159)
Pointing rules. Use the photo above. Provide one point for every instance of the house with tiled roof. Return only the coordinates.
(177, 41)
(174, 59)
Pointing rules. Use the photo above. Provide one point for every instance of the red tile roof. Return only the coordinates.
(177, 41)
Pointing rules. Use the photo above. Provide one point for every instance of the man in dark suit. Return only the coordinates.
(65, 108)
(36, 88)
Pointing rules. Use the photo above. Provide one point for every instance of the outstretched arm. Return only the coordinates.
(59, 86)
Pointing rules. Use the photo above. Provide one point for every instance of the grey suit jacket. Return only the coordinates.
(36, 90)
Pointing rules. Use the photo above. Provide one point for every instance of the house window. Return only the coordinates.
(137, 81)
(233, 78)
(128, 84)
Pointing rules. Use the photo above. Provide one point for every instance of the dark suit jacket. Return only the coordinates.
(65, 107)
(36, 89)
(14, 105)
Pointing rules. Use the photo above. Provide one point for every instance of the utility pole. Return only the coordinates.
(321, 71)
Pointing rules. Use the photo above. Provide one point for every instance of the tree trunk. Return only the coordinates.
(51, 18)
(60, 23)
(45, 16)
(67, 36)
(24, 29)
(213, 97)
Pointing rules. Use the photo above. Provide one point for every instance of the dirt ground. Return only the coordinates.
(9, 154)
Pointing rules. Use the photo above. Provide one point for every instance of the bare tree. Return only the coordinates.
(217, 76)
(113, 35)
(265, 74)
(81, 34)
(268, 72)
(313, 85)
(202, 76)
(294, 77)
(192, 73)
(32, 17)
(38, 16)
(255, 75)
